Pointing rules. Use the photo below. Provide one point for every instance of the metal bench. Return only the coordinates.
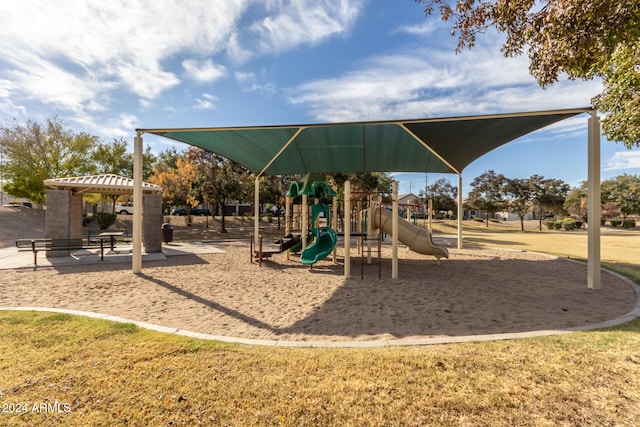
(45, 245)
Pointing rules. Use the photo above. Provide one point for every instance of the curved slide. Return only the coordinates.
(416, 238)
(323, 245)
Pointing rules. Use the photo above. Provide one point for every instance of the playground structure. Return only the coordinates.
(416, 238)
(316, 239)
(324, 237)
(364, 218)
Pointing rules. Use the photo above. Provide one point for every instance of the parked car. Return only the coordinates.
(15, 205)
(192, 211)
(124, 208)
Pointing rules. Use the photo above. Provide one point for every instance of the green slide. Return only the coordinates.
(326, 240)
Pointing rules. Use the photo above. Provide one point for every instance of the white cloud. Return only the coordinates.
(249, 83)
(53, 85)
(206, 102)
(82, 58)
(145, 103)
(622, 160)
(120, 125)
(155, 79)
(424, 29)
(436, 83)
(75, 54)
(296, 22)
(7, 105)
(203, 71)
(235, 51)
(244, 76)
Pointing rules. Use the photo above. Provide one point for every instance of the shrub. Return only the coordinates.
(104, 219)
(568, 224)
(557, 225)
(246, 215)
(615, 222)
(578, 224)
(550, 223)
(629, 223)
(270, 217)
(477, 218)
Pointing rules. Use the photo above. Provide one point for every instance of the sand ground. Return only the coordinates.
(473, 292)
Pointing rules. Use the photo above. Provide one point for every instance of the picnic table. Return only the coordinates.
(111, 236)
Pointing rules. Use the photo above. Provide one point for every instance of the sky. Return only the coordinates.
(109, 67)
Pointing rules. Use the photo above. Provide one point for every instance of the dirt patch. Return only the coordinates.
(20, 223)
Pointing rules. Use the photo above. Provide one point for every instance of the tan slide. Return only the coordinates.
(416, 238)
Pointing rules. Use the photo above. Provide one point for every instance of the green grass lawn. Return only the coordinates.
(620, 248)
(58, 369)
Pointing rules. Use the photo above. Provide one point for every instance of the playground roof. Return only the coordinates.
(101, 184)
(440, 145)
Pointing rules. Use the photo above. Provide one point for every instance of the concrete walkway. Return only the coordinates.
(11, 258)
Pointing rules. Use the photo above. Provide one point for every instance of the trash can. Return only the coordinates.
(167, 233)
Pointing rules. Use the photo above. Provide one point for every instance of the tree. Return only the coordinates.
(443, 195)
(113, 159)
(36, 151)
(519, 197)
(576, 201)
(177, 182)
(364, 181)
(486, 193)
(624, 192)
(221, 180)
(273, 190)
(548, 195)
(583, 39)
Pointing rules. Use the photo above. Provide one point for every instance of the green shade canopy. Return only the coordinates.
(438, 145)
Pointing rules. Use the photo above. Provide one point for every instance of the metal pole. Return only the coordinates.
(136, 258)
(334, 225)
(305, 220)
(460, 211)
(369, 230)
(593, 207)
(347, 229)
(256, 208)
(287, 220)
(394, 233)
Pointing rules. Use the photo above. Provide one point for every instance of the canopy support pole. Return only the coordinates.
(424, 144)
(305, 220)
(347, 229)
(334, 225)
(136, 258)
(394, 229)
(284, 147)
(287, 220)
(256, 208)
(460, 211)
(593, 204)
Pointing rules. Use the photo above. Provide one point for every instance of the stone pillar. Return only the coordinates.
(58, 218)
(75, 217)
(152, 223)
